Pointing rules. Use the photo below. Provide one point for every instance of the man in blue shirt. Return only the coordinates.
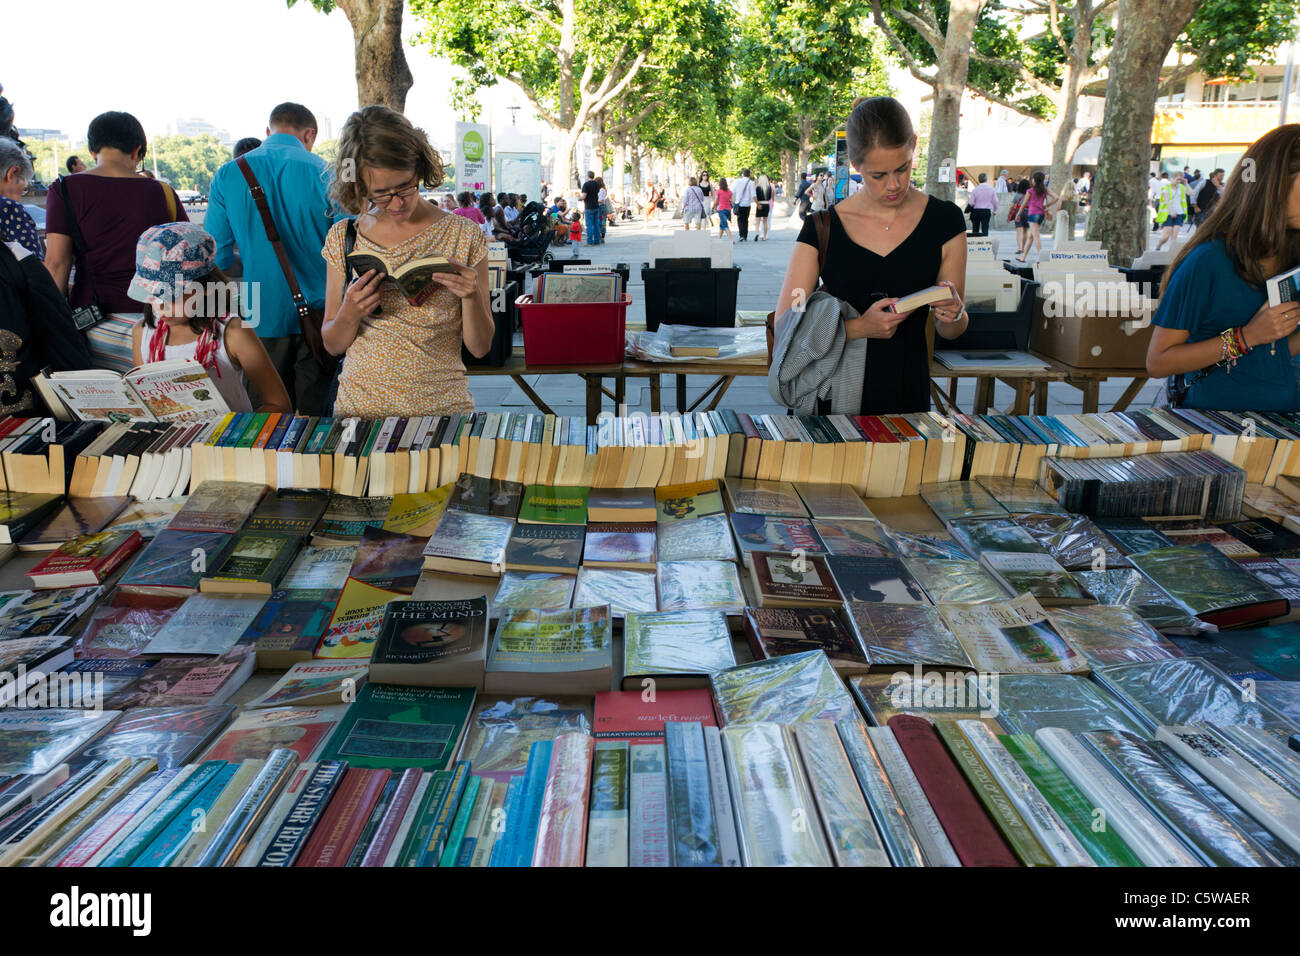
(297, 190)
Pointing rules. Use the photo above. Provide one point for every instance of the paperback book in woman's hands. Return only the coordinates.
(414, 278)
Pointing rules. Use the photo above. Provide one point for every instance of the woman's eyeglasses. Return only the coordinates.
(384, 199)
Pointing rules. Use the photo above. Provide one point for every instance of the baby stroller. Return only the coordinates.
(534, 238)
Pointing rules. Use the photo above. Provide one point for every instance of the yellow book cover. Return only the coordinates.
(356, 621)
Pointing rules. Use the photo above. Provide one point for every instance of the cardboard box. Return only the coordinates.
(1116, 339)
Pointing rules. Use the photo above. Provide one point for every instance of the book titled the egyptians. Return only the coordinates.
(175, 390)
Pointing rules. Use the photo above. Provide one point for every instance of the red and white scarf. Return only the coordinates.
(205, 350)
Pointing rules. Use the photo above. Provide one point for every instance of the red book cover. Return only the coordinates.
(99, 553)
(975, 839)
(10, 424)
(332, 840)
(386, 833)
(874, 429)
(626, 715)
(747, 425)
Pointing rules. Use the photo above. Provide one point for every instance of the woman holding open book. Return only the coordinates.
(885, 241)
(1215, 331)
(401, 342)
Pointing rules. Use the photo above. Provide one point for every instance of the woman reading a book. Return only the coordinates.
(887, 240)
(183, 291)
(1214, 328)
(401, 342)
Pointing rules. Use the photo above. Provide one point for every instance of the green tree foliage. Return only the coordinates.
(188, 162)
(800, 66)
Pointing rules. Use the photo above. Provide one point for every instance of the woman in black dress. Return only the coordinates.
(887, 240)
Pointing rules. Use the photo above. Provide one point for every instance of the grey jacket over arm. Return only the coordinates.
(813, 358)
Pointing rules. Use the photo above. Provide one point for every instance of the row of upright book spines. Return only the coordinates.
(754, 445)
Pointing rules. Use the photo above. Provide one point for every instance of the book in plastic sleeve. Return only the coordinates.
(1130, 588)
(866, 538)
(1111, 634)
(562, 827)
(850, 833)
(531, 589)
(934, 694)
(607, 823)
(1187, 690)
(1139, 829)
(785, 689)
(704, 585)
(1027, 702)
(905, 634)
(206, 624)
(648, 806)
(255, 733)
(675, 648)
(173, 736)
(961, 499)
(696, 539)
(775, 813)
(723, 809)
(910, 795)
(687, 502)
(315, 683)
(875, 580)
(319, 568)
(1073, 540)
(620, 589)
(693, 833)
(955, 581)
(36, 741)
(1037, 574)
(775, 632)
(545, 547)
(1174, 802)
(1012, 636)
(893, 823)
(566, 650)
(760, 497)
(502, 730)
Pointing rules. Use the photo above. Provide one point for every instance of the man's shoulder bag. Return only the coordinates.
(309, 319)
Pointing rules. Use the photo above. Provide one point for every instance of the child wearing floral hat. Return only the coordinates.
(190, 312)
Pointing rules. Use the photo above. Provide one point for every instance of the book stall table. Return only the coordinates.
(517, 368)
(1088, 381)
(725, 373)
(1025, 382)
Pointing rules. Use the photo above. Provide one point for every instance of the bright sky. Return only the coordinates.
(227, 62)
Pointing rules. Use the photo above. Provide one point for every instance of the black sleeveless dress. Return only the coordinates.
(898, 369)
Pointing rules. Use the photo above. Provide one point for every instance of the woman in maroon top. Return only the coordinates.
(112, 204)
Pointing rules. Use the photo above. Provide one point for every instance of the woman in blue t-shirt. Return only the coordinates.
(1214, 324)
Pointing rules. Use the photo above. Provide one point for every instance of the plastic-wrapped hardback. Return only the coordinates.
(894, 823)
(1140, 829)
(1178, 806)
(850, 834)
(775, 814)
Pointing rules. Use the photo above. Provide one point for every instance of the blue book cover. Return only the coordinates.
(530, 803)
(501, 853)
(235, 430)
(186, 823)
(162, 815)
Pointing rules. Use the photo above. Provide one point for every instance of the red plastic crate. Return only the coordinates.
(574, 333)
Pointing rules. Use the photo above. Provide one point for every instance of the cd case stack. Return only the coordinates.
(1176, 483)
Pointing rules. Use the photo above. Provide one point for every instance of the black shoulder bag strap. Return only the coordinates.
(78, 243)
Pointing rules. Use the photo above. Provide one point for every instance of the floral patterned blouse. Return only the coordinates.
(406, 360)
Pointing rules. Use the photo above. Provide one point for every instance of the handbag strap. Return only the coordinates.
(272, 234)
(822, 223)
(169, 197)
(78, 243)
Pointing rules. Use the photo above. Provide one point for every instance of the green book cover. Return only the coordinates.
(995, 801)
(467, 805)
(425, 818)
(393, 728)
(255, 426)
(1103, 845)
(261, 557)
(437, 840)
(554, 504)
